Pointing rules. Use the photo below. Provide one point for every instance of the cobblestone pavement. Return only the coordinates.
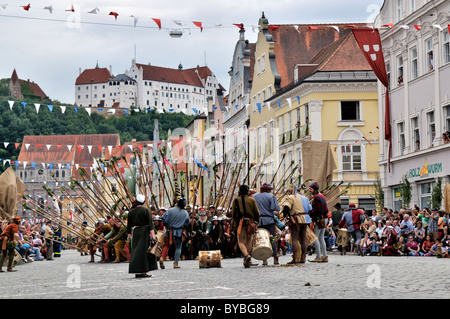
(350, 276)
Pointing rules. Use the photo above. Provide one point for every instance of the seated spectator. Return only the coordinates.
(426, 245)
(419, 233)
(375, 244)
(413, 248)
(406, 226)
(402, 250)
(365, 245)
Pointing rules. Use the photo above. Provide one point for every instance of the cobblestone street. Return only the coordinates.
(350, 276)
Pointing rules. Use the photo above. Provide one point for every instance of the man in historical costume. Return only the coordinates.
(336, 216)
(319, 216)
(352, 220)
(391, 246)
(175, 220)
(246, 215)
(48, 235)
(8, 240)
(202, 228)
(118, 241)
(83, 244)
(215, 238)
(267, 205)
(102, 230)
(140, 229)
(296, 208)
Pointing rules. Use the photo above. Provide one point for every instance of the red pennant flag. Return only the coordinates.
(198, 24)
(115, 14)
(17, 145)
(239, 25)
(71, 9)
(313, 28)
(448, 27)
(273, 27)
(158, 145)
(27, 7)
(418, 27)
(370, 43)
(79, 148)
(167, 162)
(158, 22)
(100, 148)
(58, 146)
(390, 25)
(39, 145)
(367, 140)
(120, 146)
(140, 147)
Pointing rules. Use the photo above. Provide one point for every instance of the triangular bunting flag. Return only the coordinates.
(37, 106)
(50, 107)
(69, 147)
(63, 109)
(158, 22)
(198, 24)
(89, 148)
(11, 103)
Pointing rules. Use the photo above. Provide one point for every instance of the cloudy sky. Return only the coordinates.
(49, 48)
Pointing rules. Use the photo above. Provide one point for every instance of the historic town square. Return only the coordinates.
(226, 166)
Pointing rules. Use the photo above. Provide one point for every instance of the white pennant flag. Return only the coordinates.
(37, 107)
(88, 109)
(110, 149)
(5, 144)
(297, 28)
(89, 148)
(69, 147)
(25, 164)
(27, 146)
(135, 20)
(131, 147)
(437, 26)
(289, 100)
(48, 146)
(178, 22)
(94, 11)
(6, 161)
(335, 28)
(268, 105)
(76, 166)
(63, 109)
(11, 103)
(49, 8)
(59, 165)
(112, 111)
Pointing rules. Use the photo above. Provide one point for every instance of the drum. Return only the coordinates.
(17, 259)
(262, 248)
(342, 238)
(209, 258)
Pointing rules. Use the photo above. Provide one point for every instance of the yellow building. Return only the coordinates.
(313, 83)
(334, 100)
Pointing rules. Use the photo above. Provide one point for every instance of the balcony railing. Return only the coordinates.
(295, 134)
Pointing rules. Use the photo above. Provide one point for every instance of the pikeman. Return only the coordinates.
(8, 244)
(246, 215)
(102, 230)
(296, 209)
(83, 245)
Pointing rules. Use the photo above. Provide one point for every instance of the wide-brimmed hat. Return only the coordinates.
(266, 186)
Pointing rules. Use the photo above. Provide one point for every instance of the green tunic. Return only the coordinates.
(139, 224)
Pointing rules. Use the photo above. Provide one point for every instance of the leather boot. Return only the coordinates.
(161, 263)
(275, 261)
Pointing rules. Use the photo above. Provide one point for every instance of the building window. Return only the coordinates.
(350, 111)
(401, 137)
(388, 71)
(400, 70)
(271, 139)
(447, 117)
(425, 195)
(431, 128)
(415, 133)
(351, 158)
(446, 47)
(399, 9)
(429, 58)
(367, 203)
(413, 6)
(414, 71)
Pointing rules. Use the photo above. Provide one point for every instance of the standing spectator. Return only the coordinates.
(419, 233)
(406, 226)
(353, 219)
(433, 226)
(440, 225)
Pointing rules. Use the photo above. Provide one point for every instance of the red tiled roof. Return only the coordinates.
(157, 73)
(78, 154)
(97, 75)
(299, 45)
(35, 88)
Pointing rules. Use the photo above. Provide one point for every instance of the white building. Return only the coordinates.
(174, 90)
(417, 55)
